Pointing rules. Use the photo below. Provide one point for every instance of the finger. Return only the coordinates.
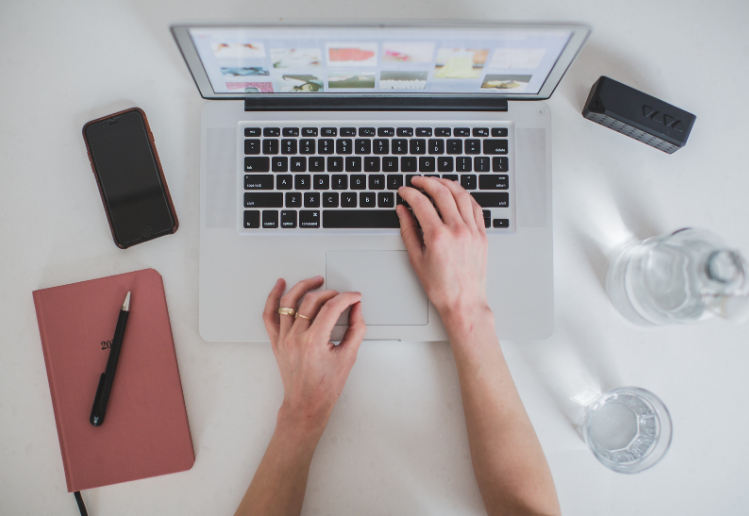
(310, 307)
(354, 335)
(410, 233)
(331, 312)
(462, 200)
(271, 317)
(422, 207)
(443, 199)
(478, 214)
(291, 300)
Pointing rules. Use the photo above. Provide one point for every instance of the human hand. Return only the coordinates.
(313, 369)
(450, 257)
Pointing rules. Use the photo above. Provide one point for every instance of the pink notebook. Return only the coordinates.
(146, 432)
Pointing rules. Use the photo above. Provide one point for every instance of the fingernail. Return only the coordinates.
(318, 278)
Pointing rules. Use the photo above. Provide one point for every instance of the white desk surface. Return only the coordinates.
(396, 442)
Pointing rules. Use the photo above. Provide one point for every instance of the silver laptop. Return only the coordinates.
(311, 129)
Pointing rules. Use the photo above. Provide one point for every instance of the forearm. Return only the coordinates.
(281, 479)
(510, 467)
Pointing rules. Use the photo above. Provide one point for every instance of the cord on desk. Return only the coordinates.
(81, 505)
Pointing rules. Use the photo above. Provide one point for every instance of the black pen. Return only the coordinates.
(106, 379)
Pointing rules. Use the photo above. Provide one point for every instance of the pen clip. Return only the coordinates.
(96, 419)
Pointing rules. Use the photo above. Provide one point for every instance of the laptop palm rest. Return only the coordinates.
(391, 292)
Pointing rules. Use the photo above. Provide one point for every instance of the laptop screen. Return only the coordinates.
(505, 61)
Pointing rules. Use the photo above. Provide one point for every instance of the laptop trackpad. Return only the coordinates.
(391, 292)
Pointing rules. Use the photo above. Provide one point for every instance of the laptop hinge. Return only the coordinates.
(302, 103)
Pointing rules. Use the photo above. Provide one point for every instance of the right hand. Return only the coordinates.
(450, 257)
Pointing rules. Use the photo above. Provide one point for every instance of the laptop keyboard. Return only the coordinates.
(344, 178)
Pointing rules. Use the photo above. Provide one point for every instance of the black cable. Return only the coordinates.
(81, 505)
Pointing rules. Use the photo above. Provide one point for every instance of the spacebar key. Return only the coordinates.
(360, 219)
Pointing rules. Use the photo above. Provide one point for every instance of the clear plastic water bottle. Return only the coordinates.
(685, 276)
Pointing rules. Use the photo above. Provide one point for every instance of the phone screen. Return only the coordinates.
(129, 178)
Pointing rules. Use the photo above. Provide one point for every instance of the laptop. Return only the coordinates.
(311, 128)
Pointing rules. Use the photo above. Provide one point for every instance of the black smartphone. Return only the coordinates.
(131, 183)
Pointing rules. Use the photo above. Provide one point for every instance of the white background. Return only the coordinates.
(396, 442)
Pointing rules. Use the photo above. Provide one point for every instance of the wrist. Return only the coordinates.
(465, 320)
(303, 427)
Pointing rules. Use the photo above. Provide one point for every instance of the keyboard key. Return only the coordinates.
(408, 164)
(390, 164)
(367, 200)
(317, 164)
(451, 177)
(462, 164)
(385, 199)
(257, 164)
(493, 182)
(353, 164)
(325, 146)
(335, 164)
(263, 200)
(288, 218)
(301, 182)
(284, 181)
(358, 182)
(418, 146)
(309, 218)
(360, 219)
(500, 164)
(363, 146)
(383, 131)
(348, 131)
(294, 200)
(409, 177)
(462, 131)
(473, 146)
(431, 175)
(480, 131)
(454, 146)
(320, 182)
(495, 146)
(343, 146)
(252, 219)
(312, 199)
(487, 218)
(481, 164)
(443, 131)
(280, 164)
(252, 146)
(367, 131)
(340, 182)
(309, 131)
(330, 200)
(501, 223)
(271, 131)
(423, 131)
(290, 131)
(381, 146)
(258, 182)
(270, 218)
(394, 181)
(445, 164)
(377, 182)
(492, 199)
(307, 146)
(436, 146)
(500, 132)
(252, 131)
(400, 146)
(468, 181)
(329, 131)
(371, 164)
(348, 200)
(298, 164)
(288, 146)
(405, 131)
(270, 146)
(426, 164)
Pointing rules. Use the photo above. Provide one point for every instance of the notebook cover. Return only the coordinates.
(145, 432)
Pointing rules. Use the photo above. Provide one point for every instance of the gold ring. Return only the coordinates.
(286, 311)
(302, 316)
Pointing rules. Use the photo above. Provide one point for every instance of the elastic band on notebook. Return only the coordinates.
(81, 505)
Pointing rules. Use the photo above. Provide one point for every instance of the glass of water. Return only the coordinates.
(628, 429)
